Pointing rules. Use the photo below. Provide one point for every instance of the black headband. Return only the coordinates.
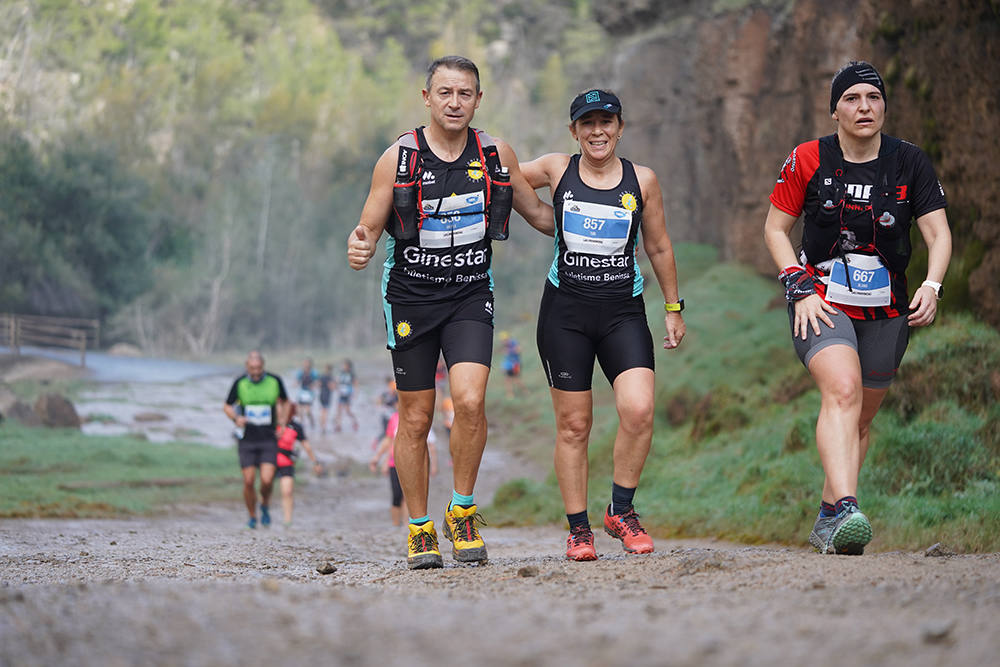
(853, 75)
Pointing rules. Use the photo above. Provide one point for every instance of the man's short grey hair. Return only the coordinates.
(453, 62)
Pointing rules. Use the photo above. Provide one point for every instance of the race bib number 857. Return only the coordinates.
(595, 229)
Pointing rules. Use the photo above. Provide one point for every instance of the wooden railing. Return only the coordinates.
(68, 332)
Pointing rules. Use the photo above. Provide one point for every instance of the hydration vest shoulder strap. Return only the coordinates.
(489, 157)
(830, 157)
(485, 146)
(409, 153)
(488, 152)
(887, 155)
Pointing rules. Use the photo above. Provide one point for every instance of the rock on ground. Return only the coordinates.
(57, 411)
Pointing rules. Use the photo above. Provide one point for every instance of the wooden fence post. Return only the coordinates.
(81, 336)
(64, 332)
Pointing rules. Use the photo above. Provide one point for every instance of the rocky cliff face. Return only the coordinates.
(942, 60)
(716, 98)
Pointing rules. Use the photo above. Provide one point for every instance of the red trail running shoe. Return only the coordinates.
(626, 527)
(580, 544)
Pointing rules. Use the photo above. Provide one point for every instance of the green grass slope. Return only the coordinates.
(63, 473)
(734, 443)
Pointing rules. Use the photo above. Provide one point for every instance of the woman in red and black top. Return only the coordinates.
(848, 303)
(287, 453)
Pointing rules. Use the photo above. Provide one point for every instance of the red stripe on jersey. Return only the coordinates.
(789, 192)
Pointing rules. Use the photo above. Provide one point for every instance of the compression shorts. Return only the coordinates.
(573, 331)
(880, 344)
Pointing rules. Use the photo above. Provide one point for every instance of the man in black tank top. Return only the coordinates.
(438, 295)
(592, 307)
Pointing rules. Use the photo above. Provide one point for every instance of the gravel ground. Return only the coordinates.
(194, 587)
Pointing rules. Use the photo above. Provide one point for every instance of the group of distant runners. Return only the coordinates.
(444, 192)
(268, 434)
(270, 427)
(313, 385)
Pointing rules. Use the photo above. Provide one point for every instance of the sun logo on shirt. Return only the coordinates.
(475, 170)
(403, 329)
(629, 202)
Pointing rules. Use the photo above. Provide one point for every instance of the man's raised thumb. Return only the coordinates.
(360, 233)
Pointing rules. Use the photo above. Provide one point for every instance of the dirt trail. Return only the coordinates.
(195, 587)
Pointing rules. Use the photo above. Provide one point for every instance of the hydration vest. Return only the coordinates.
(821, 232)
(411, 155)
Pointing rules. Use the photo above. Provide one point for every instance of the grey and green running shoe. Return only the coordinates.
(846, 533)
(819, 538)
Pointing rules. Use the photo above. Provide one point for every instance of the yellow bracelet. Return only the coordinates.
(674, 307)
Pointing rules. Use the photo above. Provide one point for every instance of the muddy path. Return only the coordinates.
(195, 587)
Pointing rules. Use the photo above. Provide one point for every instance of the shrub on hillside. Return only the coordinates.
(941, 451)
(957, 360)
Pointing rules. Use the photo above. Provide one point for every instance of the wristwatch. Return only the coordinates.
(674, 307)
(938, 289)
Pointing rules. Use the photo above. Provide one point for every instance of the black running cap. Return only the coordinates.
(851, 76)
(594, 100)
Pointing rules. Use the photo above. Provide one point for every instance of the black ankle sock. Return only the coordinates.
(826, 510)
(843, 501)
(621, 499)
(578, 519)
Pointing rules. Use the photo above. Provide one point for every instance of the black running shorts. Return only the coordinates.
(573, 331)
(418, 334)
(255, 452)
(395, 488)
(880, 344)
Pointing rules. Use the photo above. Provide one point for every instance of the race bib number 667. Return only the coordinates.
(862, 281)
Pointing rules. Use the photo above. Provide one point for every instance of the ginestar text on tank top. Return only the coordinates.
(614, 261)
(471, 257)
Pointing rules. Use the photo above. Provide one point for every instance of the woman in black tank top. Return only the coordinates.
(593, 308)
